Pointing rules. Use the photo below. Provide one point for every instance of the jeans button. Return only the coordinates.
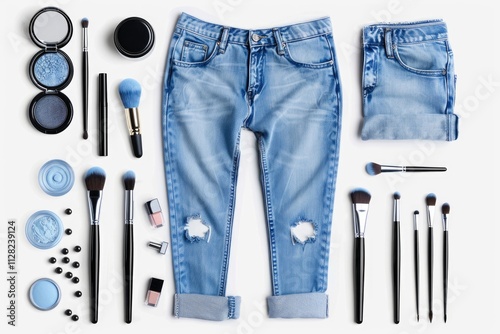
(255, 37)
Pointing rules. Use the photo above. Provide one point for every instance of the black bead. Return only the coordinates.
(75, 317)
(68, 211)
(66, 260)
(77, 248)
(76, 280)
(68, 312)
(69, 274)
(78, 294)
(52, 260)
(69, 231)
(76, 264)
(59, 270)
(65, 251)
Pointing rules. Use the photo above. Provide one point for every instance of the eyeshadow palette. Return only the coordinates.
(51, 70)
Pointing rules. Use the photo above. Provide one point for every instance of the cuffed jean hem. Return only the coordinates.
(215, 308)
(411, 126)
(303, 305)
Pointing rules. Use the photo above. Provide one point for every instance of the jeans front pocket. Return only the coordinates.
(194, 50)
(426, 58)
(315, 52)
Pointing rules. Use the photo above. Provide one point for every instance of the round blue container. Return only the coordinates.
(56, 177)
(44, 294)
(44, 229)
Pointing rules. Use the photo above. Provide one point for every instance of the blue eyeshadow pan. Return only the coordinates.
(51, 69)
(51, 113)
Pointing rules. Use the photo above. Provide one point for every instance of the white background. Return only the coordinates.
(468, 185)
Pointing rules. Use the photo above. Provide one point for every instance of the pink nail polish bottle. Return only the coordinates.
(155, 214)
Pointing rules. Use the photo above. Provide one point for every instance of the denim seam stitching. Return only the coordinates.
(170, 174)
(270, 218)
(441, 39)
(231, 305)
(230, 217)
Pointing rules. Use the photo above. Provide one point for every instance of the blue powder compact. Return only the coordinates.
(44, 229)
(51, 70)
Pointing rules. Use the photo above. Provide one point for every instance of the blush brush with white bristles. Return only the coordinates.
(373, 168)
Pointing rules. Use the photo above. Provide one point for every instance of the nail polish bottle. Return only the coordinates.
(155, 214)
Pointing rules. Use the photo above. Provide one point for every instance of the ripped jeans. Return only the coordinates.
(283, 85)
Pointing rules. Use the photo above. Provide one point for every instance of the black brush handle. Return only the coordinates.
(445, 274)
(129, 270)
(424, 169)
(94, 273)
(396, 269)
(431, 270)
(85, 92)
(417, 273)
(359, 278)
(136, 140)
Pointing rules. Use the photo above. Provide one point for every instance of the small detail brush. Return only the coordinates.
(445, 209)
(396, 257)
(85, 76)
(375, 169)
(360, 201)
(130, 93)
(417, 262)
(430, 202)
(94, 180)
(128, 245)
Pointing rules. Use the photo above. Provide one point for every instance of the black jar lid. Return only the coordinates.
(134, 37)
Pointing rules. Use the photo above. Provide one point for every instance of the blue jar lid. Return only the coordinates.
(44, 229)
(44, 294)
(56, 177)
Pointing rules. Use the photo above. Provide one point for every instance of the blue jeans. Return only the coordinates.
(283, 85)
(408, 82)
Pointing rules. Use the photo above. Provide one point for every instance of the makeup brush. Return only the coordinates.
(375, 169)
(85, 76)
(396, 257)
(360, 201)
(128, 245)
(94, 180)
(417, 262)
(130, 93)
(430, 202)
(445, 209)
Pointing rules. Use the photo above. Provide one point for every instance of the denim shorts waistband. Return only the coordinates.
(407, 32)
(258, 36)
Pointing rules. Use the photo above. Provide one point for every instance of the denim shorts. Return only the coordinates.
(283, 85)
(408, 82)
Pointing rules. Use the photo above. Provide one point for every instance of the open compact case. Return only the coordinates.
(51, 70)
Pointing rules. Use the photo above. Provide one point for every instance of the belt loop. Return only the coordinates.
(280, 45)
(388, 43)
(223, 40)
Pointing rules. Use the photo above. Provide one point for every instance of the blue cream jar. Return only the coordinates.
(51, 70)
